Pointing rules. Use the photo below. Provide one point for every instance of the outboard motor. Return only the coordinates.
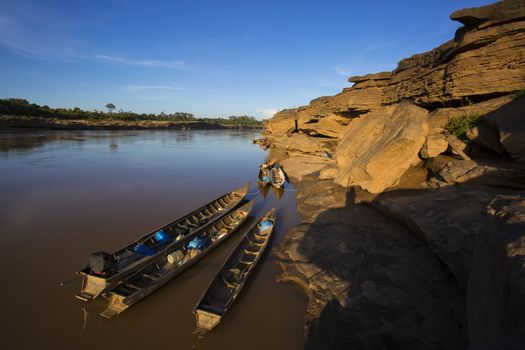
(102, 264)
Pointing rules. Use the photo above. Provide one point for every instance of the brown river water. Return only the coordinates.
(66, 194)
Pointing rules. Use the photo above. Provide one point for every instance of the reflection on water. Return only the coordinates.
(68, 194)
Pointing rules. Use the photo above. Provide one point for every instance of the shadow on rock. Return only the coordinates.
(390, 271)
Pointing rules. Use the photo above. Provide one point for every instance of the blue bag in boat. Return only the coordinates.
(266, 224)
(197, 243)
(266, 179)
(142, 249)
(161, 236)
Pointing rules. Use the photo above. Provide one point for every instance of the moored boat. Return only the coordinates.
(105, 270)
(172, 261)
(277, 176)
(231, 278)
(271, 173)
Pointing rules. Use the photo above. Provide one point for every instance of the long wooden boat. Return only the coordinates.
(231, 278)
(139, 253)
(173, 261)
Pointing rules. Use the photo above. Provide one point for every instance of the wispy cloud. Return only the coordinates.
(152, 87)
(168, 64)
(341, 71)
(15, 36)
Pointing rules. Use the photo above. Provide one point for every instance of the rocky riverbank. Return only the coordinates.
(107, 124)
(411, 191)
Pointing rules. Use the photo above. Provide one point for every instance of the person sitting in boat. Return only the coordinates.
(265, 172)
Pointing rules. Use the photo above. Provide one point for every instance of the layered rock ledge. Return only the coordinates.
(410, 187)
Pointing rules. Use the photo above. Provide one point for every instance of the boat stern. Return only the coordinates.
(92, 286)
(206, 320)
(116, 305)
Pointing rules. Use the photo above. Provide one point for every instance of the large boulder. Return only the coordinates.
(377, 149)
(496, 290)
(434, 146)
(298, 167)
(509, 123)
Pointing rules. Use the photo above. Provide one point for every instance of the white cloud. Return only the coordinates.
(269, 112)
(169, 64)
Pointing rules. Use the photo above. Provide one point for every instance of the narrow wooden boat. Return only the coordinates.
(139, 253)
(178, 257)
(232, 276)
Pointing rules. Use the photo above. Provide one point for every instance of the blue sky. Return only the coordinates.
(209, 58)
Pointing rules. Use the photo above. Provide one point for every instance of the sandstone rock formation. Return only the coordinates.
(458, 171)
(282, 122)
(376, 150)
(485, 58)
(496, 291)
(298, 167)
(465, 76)
(301, 143)
(439, 117)
(434, 145)
(448, 221)
(370, 284)
(509, 123)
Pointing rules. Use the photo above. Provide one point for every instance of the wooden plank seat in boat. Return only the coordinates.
(247, 251)
(255, 243)
(247, 262)
(233, 277)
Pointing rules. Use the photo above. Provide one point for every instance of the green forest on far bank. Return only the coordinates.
(23, 108)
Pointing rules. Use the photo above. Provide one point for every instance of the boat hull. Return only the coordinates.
(94, 285)
(233, 275)
(160, 272)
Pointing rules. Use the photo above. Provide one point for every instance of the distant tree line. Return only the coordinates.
(21, 107)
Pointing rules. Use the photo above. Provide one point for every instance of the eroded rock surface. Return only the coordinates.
(377, 149)
(448, 220)
(396, 275)
(298, 167)
(509, 123)
(496, 291)
(370, 282)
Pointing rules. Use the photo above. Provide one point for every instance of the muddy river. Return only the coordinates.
(66, 194)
